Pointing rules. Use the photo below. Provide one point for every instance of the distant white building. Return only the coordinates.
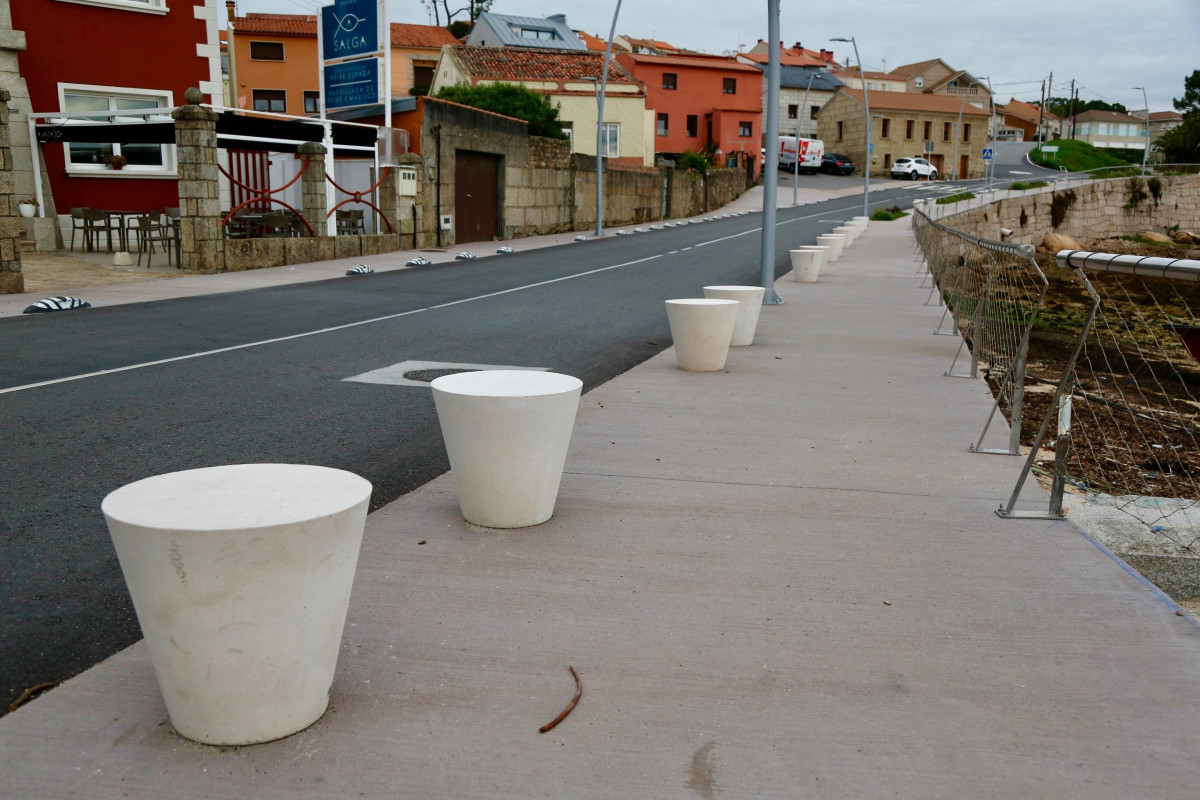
(502, 30)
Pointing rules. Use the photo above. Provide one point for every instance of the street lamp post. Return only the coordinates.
(867, 112)
(766, 254)
(601, 90)
(1146, 153)
(799, 123)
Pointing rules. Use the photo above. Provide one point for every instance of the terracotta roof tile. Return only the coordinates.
(917, 101)
(1104, 116)
(906, 71)
(1158, 116)
(592, 42)
(704, 62)
(787, 59)
(532, 64)
(404, 35)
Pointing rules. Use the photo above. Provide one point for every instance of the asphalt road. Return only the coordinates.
(593, 310)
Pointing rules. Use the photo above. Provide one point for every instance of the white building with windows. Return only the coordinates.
(502, 30)
(1109, 129)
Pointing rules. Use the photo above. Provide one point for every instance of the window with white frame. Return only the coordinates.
(610, 140)
(109, 102)
(537, 33)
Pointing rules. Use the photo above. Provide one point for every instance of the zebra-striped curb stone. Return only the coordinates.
(622, 233)
(581, 238)
(504, 250)
(419, 261)
(359, 269)
(56, 304)
(465, 255)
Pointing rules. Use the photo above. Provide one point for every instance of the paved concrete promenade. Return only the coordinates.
(785, 580)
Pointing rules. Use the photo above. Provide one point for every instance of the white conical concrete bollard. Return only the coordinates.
(835, 242)
(861, 222)
(241, 576)
(824, 251)
(849, 231)
(507, 434)
(806, 265)
(701, 330)
(750, 300)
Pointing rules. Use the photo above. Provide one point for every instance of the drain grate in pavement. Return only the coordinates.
(428, 375)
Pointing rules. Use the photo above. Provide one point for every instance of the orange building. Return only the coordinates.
(698, 99)
(275, 61)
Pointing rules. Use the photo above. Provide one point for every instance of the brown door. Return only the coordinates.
(476, 196)
(936, 160)
(964, 163)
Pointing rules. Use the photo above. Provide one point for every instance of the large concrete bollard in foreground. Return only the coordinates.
(701, 330)
(750, 299)
(849, 231)
(241, 577)
(861, 222)
(806, 265)
(835, 242)
(507, 434)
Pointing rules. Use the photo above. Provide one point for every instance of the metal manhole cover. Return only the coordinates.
(428, 375)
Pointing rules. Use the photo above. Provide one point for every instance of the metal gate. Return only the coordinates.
(476, 196)
(251, 168)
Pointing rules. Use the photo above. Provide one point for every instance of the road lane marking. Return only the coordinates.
(373, 320)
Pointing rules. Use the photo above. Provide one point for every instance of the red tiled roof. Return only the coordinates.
(592, 42)
(651, 44)
(787, 58)
(431, 36)
(704, 62)
(277, 24)
(403, 35)
(917, 101)
(852, 74)
(1105, 116)
(906, 71)
(1159, 116)
(534, 64)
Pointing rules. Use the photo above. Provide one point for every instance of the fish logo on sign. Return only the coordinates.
(348, 23)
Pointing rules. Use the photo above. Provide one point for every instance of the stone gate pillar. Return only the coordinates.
(11, 279)
(315, 207)
(202, 241)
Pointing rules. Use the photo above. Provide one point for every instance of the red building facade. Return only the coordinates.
(110, 56)
(698, 100)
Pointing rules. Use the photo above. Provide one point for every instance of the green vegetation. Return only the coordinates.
(511, 101)
(1059, 205)
(1138, 238)
(954, 198)
(1022, 185)
(1181, 145)
(1075, 156)
(888, 214)
(1137, 193)
(700, 162)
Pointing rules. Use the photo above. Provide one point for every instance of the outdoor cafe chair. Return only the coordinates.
(276, 226)
(78, 224)
(147, 232)
(95, 222)
(350, 222)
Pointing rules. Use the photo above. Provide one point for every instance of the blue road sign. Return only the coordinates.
(352, 83)
(350, 28)
(987, 154)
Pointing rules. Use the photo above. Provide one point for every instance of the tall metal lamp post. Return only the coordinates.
(800, 122)
(867, 115)
(766, 254)
(1146, 153)
(602, 90)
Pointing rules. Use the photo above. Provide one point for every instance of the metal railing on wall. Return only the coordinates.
(1102, 353)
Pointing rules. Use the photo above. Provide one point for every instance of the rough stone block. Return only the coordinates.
(11, 282)
(348, 246)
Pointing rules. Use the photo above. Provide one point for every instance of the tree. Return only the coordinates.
(441, 8)
(1189, 104)
(511, 101)
(1064, 107)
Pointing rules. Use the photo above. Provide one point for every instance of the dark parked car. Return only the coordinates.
(836, 164)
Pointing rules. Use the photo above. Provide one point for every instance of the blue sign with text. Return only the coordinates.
(352, 83)
(350, 28)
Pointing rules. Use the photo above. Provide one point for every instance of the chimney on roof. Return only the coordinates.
(558, 18)
(798, 48)
(826, 56)
(760, 41)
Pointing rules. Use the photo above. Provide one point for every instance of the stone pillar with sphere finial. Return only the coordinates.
(202, 245)
(11, 279)
(312, 187)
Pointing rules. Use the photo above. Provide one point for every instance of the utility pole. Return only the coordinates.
(1041, 116)
(766, 258)
(1074, 111)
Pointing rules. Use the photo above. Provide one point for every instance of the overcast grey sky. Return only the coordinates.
(1108, 48)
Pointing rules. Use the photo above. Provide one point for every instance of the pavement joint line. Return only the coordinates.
(335, 328)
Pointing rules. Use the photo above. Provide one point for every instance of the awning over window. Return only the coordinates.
(234, 131)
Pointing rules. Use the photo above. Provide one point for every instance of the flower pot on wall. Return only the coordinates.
(27, 209)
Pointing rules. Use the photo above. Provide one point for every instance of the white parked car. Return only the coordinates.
(914, 169)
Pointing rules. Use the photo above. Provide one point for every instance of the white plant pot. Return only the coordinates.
(507, 434)
(824, 250)
(701, 330)
(834, 242)
(849, 231)
(806, 265)
(861, 222)
(750, 300)
(241, 577)
(26, 209)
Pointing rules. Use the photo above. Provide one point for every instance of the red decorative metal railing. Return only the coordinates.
(357, 197)
(258, 195)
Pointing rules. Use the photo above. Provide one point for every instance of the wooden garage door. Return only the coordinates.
(476, 196)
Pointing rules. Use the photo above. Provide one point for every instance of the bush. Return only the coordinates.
(954, 198)
(689, 160)
(888, 214)
(1137, 193)
(1022, 185)
(511, 101)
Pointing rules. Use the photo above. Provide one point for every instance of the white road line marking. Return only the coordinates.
(276, 340)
